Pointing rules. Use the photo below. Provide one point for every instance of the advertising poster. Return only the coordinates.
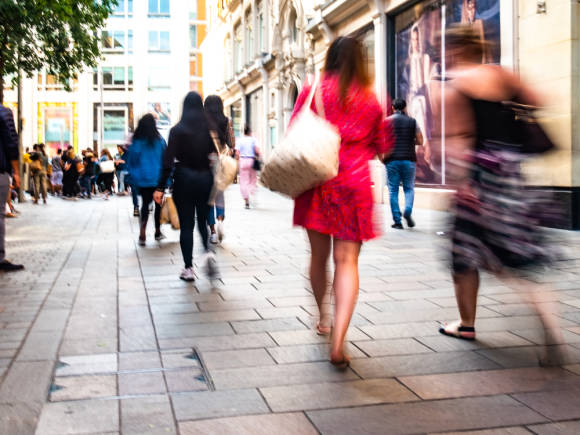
(162, 114)
(419, 67)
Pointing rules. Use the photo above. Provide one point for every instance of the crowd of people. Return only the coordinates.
(338, 214)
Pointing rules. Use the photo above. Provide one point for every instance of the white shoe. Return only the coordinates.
(211, 267)
(220, 230)
(213, 238)
(187, 274)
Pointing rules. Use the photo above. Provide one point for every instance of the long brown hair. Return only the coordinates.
(345, 57)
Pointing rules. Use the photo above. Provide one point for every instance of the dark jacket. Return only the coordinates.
(405, 131)
(8, 140)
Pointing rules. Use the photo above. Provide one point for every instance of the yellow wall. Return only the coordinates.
(545, 62)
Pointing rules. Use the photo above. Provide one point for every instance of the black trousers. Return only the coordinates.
(147, 198)
(191, 191)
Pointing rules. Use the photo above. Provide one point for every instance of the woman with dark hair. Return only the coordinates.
(339, 213)
(188, 152)
(221, 125)
(143, 161)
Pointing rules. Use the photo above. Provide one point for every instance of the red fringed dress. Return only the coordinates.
(343, 207)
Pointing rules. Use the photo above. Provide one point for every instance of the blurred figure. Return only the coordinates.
(56, 178)
(107, 175)
(121, 169)
(8, 168)
(39, 167)
(248, 151)
(401, 163)
(190, 145)
(87, 179)
(73, 168)
(144, 164)
(339, 213)
(219, 123)
(495, 227)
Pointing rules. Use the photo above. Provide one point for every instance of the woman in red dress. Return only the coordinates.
(340, 211)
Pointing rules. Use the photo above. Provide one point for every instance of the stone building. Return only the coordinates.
(262, 50)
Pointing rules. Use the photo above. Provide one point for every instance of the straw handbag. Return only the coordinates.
(226, 167)
(308, 154)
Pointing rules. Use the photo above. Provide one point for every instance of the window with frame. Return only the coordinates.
(117, 41)
(293, 29)
(159, 41)
(193, 66)
(159, 8)
(228, 73)
(123, 7)
(238, 39)
(192, 36)
(114, 78)
(249, 37)
(50, 82)
(193, 9)
(261, 22)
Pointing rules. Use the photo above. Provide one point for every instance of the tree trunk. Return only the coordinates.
(1, 84)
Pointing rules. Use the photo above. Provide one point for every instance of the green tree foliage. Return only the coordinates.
(59, 36)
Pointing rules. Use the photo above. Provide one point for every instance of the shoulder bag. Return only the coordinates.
(225, 168)
(307, 156)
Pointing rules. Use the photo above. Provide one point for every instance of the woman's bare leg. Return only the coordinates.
(466, 287)
(345, 292)
(320, 251)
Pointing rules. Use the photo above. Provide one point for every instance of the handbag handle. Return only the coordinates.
(214, 139)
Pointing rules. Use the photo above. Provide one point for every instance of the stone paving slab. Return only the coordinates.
(79, 417)
(425, 417)
(336, 395)
(281, 424)
(487, 383)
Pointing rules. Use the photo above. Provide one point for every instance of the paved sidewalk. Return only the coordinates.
(100, 336)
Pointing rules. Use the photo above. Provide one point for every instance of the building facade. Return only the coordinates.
(151, 59)
(270, 46)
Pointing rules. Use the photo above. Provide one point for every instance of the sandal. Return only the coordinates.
(323, 330)
(462, 332)
(342, 364)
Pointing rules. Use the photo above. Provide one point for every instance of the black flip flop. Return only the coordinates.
(463, 333)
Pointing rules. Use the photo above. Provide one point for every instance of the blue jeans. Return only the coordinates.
(401, 171)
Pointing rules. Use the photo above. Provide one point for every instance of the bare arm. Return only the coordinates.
(418, 138)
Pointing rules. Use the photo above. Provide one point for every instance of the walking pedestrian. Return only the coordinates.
(56, 177)
(339, 213)
(494, 224)
(222, 126)
(144, 164)
(190, 143)
(401, 162)
(8, 169)
(248, 152)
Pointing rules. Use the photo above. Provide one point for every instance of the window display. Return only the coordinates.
(420, 72)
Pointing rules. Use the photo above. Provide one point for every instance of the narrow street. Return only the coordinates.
(98, 335)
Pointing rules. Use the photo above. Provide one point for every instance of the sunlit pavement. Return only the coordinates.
(99, 335)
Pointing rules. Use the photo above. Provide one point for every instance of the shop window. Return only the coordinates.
(420, 68)
(159, 41)
(158, 8)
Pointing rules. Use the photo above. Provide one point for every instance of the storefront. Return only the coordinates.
(117, 118)
(58, 125)
(417, 68)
